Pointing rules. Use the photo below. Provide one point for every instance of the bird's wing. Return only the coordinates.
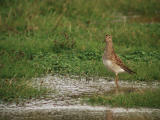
(119, 62)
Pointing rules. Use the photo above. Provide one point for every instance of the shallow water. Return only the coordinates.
(64, 103)
(79, 113)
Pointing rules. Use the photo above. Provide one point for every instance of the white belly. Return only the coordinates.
(112, 66)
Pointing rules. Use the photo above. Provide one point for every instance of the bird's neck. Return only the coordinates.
(108, 50)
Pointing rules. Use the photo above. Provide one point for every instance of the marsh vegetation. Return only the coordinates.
(67, 37)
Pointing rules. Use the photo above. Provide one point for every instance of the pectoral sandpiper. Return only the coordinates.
(112, 61)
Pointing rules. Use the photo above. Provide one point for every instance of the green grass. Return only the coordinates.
(67, 37)
(147, 98)
(18, 90)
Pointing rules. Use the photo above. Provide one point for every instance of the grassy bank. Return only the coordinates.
(143, 98)
(67, 37)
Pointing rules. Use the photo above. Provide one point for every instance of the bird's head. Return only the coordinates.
(108, 38)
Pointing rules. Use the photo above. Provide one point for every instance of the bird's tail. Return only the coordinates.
(128, 70)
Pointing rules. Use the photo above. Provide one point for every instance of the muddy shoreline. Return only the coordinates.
(64, 103)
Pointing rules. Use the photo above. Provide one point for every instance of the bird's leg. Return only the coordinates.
(117, 86)
(116, 81)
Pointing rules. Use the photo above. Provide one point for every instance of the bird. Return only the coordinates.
(112, 61)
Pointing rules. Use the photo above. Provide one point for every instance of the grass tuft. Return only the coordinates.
(147, 98)
(18, 90)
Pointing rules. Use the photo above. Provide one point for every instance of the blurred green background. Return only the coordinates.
(39, 37)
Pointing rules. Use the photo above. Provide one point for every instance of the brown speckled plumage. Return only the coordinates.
(112, 61)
